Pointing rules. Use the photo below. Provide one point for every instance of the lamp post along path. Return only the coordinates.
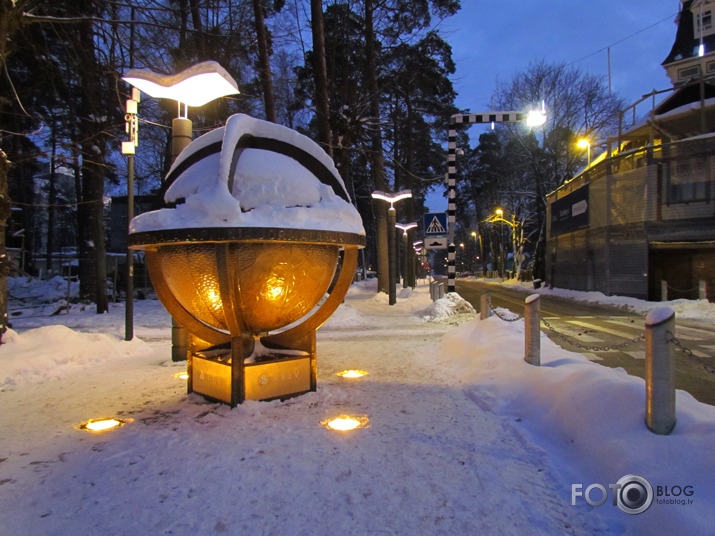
(129, 148)
(195, 86)
(391, 244)
(407, 258)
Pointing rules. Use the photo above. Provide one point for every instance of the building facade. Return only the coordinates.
(643, 213)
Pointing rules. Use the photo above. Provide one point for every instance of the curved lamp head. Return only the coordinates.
(195, 86)
(392, 198)
(405, 226)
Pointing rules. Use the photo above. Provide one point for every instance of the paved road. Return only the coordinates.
(592, 325)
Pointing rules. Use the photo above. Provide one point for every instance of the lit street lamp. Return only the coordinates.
(536, 118)
(406, 253)
(391, 246)
(583, 143)
(195, 86)
(499, 216)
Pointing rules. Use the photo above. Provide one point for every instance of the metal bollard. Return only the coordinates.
(702, 290)
(485, 306)
(532, 323)
(440, 289)
(660, 371)
(663, 290)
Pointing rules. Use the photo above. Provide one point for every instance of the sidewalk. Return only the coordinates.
(452, 447)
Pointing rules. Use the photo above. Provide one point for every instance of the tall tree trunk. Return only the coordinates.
(51, 208)
(321, 76)
(264, 67)
(199, 33)
(376, 156)
(92, 249)
(4, 261)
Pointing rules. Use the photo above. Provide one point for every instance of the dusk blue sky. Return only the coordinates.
(494, 40)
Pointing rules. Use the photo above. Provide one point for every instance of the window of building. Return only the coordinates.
(686, 181)
(689, 72)
(703, 23)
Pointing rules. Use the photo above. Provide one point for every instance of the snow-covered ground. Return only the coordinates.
(464, 437)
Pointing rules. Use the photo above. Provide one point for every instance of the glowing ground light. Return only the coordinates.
(345, 423)
(182, 375)
(352, 373)
(101, 425)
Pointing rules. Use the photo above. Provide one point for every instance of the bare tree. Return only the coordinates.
(576, 105)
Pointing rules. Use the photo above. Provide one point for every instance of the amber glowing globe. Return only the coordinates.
(243, 280)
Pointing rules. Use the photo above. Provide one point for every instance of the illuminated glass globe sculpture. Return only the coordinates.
(255, 250)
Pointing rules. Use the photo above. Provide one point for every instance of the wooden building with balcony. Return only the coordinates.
(644, 211)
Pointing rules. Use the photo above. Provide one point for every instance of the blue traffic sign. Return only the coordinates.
(435, 223)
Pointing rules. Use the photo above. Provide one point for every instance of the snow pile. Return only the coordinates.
(589, 417)
(449, 305)
(254, 187)
(685, 309)
(55, 351)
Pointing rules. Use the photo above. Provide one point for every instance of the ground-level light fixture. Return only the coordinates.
(352, 373)
(182, 375)
(102, 425)
(345, 423)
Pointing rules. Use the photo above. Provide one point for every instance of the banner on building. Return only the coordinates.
(570, 213)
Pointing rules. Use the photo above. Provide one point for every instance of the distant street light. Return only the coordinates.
(583, 143)
(195, 86)
(406, 253)
(391, 246)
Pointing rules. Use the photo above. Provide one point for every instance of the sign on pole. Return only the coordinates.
(435, 223)
(437, 242)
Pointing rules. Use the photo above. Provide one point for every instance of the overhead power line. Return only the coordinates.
(669, 17)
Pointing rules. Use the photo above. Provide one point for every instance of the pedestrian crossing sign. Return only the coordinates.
(435, 223)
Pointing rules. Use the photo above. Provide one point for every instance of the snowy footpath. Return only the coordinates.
(463, 437)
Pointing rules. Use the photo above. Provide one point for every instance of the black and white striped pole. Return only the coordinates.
(533, 119)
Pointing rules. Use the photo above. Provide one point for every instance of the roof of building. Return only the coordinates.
(686, 42)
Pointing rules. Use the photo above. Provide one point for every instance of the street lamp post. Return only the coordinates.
(502, 261)
(583, 143)
(499, 216)
(195, 86)
(475, 254)
(391, 249)
(129, 148)
(407, 257)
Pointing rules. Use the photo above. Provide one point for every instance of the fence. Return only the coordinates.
(701, 290)
(660, 345)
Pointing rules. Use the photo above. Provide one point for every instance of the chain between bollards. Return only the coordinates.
(689, 353)
(660, 363)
